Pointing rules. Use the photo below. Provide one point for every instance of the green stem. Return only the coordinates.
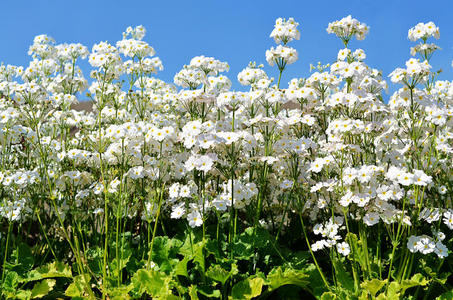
(312, 254)
(6, 249)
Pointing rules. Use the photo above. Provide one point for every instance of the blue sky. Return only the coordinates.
(232, 31)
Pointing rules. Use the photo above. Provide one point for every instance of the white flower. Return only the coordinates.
(178, 211)
(441, 250)
(204, 163)
(371, 218)
(286, 184)
(413, 243)
(348, 27)
(406, 178)
(426, 245)
(319, 245)
(195, 219)
(173, 191)
(136, 172)
(343, 248)
(220, 203)
(317, 165)
(185, 191)
(98, 211)
(448, 218)
(420, 178)
(346, 199)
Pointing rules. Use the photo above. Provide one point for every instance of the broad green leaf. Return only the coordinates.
(208, 291)
(416, 280)
(393, 291)
(22, 295)
(181, 267)
(165, 253)
(154, 283)
(343, 277)
(198, 255)
(51, 270)
(277, 278)
(41, 289)
(248, 288)
(373, 286)
(120, 293)
(114, 265)
(246, 243)
(328, 296)
(10, 282)
(218, 273)
(188, 247)
(79, 287)
(316, 284)
(21, 259)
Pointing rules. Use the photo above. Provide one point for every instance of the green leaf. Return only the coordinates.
(198, 255)
(41, 289)
(120, 293)
(218, 273)
(277, 278)
(446, 296)
(154, 283)
(416, 280)
(328, 296)
(243, 247)
(51, 270)
(95, 259)
(373, 286)
(248, 288)
(181, 267)
(393, 291)
(208, 291)
(78, 287)
(23, 295)
(10, 282)
(344, 278)
(21, 259)
(316, 284)
(114, 265)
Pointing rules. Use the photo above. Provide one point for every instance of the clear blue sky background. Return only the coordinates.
(232, 31)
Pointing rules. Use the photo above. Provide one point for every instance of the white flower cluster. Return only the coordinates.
(425, 245)
(423, 31)
(284, 32)
(348, 27)
(327, 147)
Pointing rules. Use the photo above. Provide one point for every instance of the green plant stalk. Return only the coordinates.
(117, 241)
(363, 239)
(283, 219)
(354, 262)
(6, 249)
(233, 211)
(160, 195)
(312, 254)
(118, 218)
(45, 235)
(395, 244)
